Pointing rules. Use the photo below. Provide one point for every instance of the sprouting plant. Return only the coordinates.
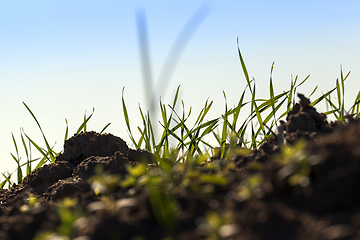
(218, 226)
(251, 187)
(69, 216)
(159, 183)
(134, 176)
(7, 180)
(103, 183)
(339, 111)
(47, 153)
(32, 202)
(164, 207)
(68, 213)
(296, 163)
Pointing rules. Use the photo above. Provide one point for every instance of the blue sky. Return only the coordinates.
(64, 57)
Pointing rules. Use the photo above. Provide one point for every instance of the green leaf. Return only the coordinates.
(243, 65)
(52, 157)
(83, 125)
(66, 130)
(213, 179)
(45, 155)
(104, 128)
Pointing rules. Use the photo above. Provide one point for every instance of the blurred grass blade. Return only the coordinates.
(179, 45)
(145, 55)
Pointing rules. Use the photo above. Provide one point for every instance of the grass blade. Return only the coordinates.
(66, 130)
(83, 125)
(52, 157)
(243, 65)
(104, 128)
(45, 155)
(127, 121)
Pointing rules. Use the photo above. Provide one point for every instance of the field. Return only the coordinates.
(286, 172)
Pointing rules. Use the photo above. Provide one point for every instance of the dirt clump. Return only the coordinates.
(311, 194)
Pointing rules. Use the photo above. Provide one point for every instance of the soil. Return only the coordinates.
(326, 205)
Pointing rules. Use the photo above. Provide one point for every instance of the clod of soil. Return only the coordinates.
(324, 204)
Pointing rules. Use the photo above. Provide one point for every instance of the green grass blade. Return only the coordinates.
(17, 160)
(272, 98)
(243, 65)
(52, 157)
(238, 109)
(85, 122)
(7, 179)
(303, 81)
(45, 155)
(259, 118)
(253, 137)
(28, 154)
(343, 95)
(289, 98)
(24, 145)
(313, 91)
(151, 131)
(224, 128)
(83, 125)
(338, 89)
(2, 184)
(41, 162)
(127, 121)
(313, 103)
(203, 112)
(104, 128)
(66, 130)
(355, 106)
(19, 171)
(331, 112)
(16, 148)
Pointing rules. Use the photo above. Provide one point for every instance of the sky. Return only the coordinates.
(64, 58)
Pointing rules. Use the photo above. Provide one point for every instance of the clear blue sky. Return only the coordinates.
(64, 57)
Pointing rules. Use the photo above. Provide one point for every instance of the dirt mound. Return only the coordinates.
(312, 193)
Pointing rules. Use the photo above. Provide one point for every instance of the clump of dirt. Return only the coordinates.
(323, 202)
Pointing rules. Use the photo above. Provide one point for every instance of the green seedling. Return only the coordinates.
(47, 153)
(251, 187)
(159, 183)
(32, 202)
(68, 213)
(134, 176)
(103, 183)
(296, 164)
(69, 216)
(217, 226)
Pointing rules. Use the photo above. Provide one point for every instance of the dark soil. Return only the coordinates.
(327, 207)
